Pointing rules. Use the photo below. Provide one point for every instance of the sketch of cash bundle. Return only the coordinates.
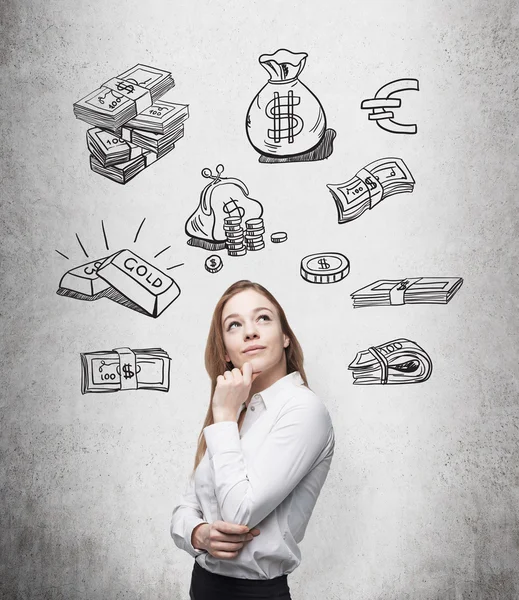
(125, 369)
(417, 290)
(125, 278)
(398, 361)
(133, 128)
(372, 184)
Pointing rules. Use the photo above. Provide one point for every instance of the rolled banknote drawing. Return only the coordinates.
(369, 186)
(397, 361)
(125, 369)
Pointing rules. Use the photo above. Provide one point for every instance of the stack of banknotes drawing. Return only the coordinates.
(413, 290)
(125, 369)
(133, 127)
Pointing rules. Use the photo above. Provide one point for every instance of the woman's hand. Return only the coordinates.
(232, 390)
(222, 539)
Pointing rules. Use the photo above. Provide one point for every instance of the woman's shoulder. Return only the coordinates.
(307, 398)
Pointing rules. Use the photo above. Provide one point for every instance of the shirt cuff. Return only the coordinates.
(222, 437)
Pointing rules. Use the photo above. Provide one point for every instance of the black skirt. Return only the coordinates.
(210, 586)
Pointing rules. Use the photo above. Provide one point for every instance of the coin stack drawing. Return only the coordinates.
(132, 127)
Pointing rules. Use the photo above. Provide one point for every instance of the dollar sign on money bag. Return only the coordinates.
(285, 118)
(127, 370)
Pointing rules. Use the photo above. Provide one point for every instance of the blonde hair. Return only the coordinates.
(215, 362)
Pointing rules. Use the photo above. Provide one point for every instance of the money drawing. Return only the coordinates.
(324, 267)
(123, 369)
(286, 122)
(369, 186)
(227, 218)
(379, 106)
(395, 362)
(133, 127)
(413, 290)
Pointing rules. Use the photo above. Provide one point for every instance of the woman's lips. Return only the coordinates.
(254, 349)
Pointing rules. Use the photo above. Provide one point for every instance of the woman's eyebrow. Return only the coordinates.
(237, 316)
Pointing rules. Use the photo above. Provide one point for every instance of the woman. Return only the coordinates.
(263, 454)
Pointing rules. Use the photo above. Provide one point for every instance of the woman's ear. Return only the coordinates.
(227, 358)
(286, 342)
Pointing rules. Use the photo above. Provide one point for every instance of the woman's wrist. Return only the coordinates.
(218, 417)
(198, 537)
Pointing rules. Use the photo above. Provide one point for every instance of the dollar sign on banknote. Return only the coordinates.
(124, 86)
(128, 373)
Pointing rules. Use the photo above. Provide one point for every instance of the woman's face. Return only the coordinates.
(252, 332)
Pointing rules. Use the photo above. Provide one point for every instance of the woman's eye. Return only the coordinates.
(231, 325)
(264, 317)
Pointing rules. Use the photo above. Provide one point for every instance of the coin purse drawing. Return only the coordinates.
(285, 118)
(222, 197)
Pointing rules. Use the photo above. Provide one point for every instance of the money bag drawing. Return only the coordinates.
(286, 119)
(222, 198)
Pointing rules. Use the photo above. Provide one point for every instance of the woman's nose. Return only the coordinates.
(250, 331)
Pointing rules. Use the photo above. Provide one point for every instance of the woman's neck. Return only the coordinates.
(266, 379)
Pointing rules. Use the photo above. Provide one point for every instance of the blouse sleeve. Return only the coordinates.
(187, 514)
(248, 492)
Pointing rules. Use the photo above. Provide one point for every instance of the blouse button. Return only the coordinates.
(252, 408)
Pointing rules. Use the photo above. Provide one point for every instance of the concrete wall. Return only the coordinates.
(421, 500)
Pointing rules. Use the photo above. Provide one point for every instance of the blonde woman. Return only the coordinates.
(263, 454)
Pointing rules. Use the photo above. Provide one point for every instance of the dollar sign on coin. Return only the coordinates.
(213, 264)
(336, 265)
(123, 85)
(127, 370)
(286, 124)
(323, 263)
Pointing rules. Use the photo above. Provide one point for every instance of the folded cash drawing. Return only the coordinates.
(369, 186)
(132, 127)
(395, 362)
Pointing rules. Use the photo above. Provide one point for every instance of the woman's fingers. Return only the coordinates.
(236, 374)
(247, 373)
(227, 375)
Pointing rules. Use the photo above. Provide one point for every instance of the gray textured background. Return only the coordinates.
(422, 499)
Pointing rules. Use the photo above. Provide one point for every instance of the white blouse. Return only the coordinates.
(267, 475)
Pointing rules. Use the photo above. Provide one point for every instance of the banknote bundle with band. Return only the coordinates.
(125, 278)
(369, 186)
(125, 369)
(133, 126)
(413, 290)
(397, 361)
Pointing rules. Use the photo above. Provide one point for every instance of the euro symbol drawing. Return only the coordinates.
(382, 101)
